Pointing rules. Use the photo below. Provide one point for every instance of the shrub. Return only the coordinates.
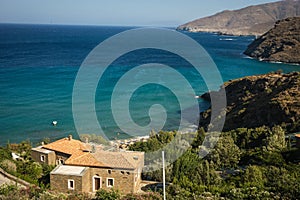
(146, 196)
(107, 195)
(8, 165)
(6, 189)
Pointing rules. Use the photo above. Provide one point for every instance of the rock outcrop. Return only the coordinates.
(254, 101)
(252, 20)
(280, 44)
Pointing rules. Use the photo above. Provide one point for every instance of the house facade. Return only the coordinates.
(81, 170)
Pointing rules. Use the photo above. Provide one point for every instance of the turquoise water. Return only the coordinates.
(38, 66)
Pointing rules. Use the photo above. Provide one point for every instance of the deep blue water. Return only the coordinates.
(38, 66)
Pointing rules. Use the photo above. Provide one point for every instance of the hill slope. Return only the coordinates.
(281, 43)
(254, 101)
(252, 20)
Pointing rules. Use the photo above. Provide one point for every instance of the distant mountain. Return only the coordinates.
(252, 20)
(254, 101)
(280, 44)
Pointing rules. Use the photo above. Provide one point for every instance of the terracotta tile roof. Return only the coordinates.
(67, 146)
(297, 136)
(125, 160)
(85, 159)
(80, 155)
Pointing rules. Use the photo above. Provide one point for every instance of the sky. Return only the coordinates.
(167, 13)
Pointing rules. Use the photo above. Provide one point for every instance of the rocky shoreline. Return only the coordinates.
(280, 44)
(254, 101)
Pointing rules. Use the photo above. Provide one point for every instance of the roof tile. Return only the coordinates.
(80, 155)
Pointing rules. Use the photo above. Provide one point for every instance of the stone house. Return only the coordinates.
(80, 169)
(59, 151)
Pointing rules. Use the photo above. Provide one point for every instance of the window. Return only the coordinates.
(42, 158)
(60, 161)
(127, 173)
(109, 171)
(122, 172)
(110, 182)
(71, 184)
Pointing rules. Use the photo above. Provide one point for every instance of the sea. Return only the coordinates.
(39, 65)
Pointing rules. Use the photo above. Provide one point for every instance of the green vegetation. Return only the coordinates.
(255, 163)
(155, 142)
(108, 195)
(12, 192)
(39, 176)
(24, 167)
(115, 195)
(93, 138)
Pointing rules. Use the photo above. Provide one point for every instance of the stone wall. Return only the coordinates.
(86, 182)
(123, 179)
(59, 183)
(126, 181)
(36, 156)
(50, 158)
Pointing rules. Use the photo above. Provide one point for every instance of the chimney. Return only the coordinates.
(70, 137)
(93, 149)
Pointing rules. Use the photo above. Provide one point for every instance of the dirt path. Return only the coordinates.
(6, 178)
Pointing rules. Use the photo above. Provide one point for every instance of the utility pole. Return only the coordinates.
(164, 175)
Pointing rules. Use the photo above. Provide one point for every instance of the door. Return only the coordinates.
(96, 183)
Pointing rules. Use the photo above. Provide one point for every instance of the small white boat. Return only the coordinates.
(54, 123)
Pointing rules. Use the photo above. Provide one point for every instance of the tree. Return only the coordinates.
(5, 153)
(225, 154)
(199, 138)
(185, 165)
(284, 181)
(205, 174)
(276, 140)
(254, 177)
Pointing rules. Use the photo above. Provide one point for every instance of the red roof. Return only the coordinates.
(80, 155)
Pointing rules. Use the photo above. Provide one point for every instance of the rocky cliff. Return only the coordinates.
(254, 101)
(280, 44)
(252, 20)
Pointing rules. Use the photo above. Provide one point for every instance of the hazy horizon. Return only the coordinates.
(169, 13)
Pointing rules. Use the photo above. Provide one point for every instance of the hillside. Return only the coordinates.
(280, 44)
(252, 20)
(254, 101)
